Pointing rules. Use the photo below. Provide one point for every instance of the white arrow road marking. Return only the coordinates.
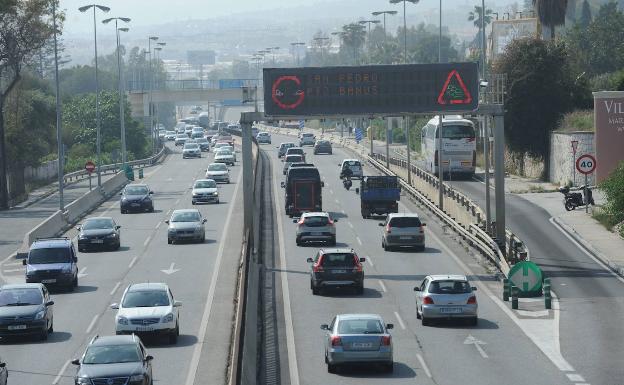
(13, 270)
(171, 269)
(82, 273)
(470, 340)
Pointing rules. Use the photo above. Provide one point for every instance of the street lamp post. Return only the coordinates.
(296, 50)
(156, 112)
(97, 92)
(405, 25)
(122, 122)
(384, 13)
(59, 136)
(151, 89)
(486, 134)
(369, 22)
(321, 42)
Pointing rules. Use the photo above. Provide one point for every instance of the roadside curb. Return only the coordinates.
(617, 269)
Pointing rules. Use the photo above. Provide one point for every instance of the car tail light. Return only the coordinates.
(386, 340)
(427, 301)
(388, 228)
(330, 222)
(318, 266)
(336, 341)
(301, 221)
(472, 300)
(471, 139)
(358, 265)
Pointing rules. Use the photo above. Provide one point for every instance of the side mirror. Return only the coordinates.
(24, 263)
(117, 227)
(149, 358)
(423, 225)
(357, 190)
(75, 259)
(474, 288)
(114, 306)
(177, 304)
(417, 288)
(283, 185)
(389, 326)
(151, 193)
(362, 260)
(335, 220)
(322, 184)
(324, 327)
(167, 221)
(2, 364)
(78, 228)
(75, 362)
(204, 220)
(380, 224)
(295, 221)
(49, 303)
(120, 193)
(310, 260)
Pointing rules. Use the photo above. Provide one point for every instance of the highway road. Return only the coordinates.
(590, 295)
(441, 354)
(202, 276)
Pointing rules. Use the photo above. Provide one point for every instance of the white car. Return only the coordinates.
(228, 147)
(191, 150)
(170, 135)
(205, 191)
(263, 137)
(181, 139)
(218, 172)
(148, 308)
(224, 156)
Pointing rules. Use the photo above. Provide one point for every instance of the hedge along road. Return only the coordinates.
(143, 257)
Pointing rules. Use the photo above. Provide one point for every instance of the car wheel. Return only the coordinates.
(417, 313)
(173, 337)
(169, 241)
(44, 335)
(420, 248)
(360, 289)
(315, 290)
(123, 211)
(118, 245)
(473, 321)
(389, 367)
(331, 368)
(203, 239)
(151, 210)
(75, 283)
(333, 241)
(193, 203)
(425, 322)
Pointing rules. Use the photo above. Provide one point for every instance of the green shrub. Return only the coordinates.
(613, 188)
(579, 120)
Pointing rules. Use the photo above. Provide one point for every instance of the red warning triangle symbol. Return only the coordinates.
(454, 92)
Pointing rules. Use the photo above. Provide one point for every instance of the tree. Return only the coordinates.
(353, 38)
(475, 16)
(540, 90)
(586, 15)
(551, 13)
(25, 26)
(613, 188)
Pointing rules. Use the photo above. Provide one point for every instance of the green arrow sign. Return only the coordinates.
(527, 277)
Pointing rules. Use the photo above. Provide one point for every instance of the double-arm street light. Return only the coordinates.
(384, 13)
(369, 22)
(320, 41)
(405, 25)
(272, 50)
(295, 46)
(122, 122)
(97, 93)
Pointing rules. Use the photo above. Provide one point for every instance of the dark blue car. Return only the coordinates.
(52, 261)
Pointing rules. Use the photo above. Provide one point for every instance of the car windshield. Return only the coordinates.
(97, 223)
(182, 136)
(295, 151)
(49, 255)
(224, 151)
(360, 326)
(294, 158)
(405, 222)
(20, 297)
(136, 190)
(185, 217)
(217, 167)
(316, 221)
(202, 140)
(147, 298)
(206, 184)
(322, 142)
(352, 164)
(170, 132)
(338, 259)
(111, 354)
(457, 131)
(190, 146)
(449, 287)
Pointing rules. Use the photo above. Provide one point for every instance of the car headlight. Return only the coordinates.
(168, 318)
(82, 236)
(113, 235)
(122, 320)
(40, 315)
(83, 381)
(198, 229)
(147, 199)
(137, 377)
(215, 193)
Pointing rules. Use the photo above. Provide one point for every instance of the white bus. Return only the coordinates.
(459, 147)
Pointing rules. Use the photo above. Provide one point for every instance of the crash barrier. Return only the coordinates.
(59, 222)
(463, 215)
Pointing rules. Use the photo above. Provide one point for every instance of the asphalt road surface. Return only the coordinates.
(202, 276)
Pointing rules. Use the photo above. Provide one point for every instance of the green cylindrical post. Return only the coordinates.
(547, 294)
(506, 289)
(514, 297)
(140, 173)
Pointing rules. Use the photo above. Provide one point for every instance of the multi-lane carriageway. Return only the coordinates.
(506, 347)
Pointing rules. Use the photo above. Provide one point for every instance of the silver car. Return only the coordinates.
(186, 225)
(316, 227)
(307, 138)
(290, 159)
(446, 297)
(224, 156)
(358, 338)
(403, 229)
(205, 191)
(218, 172)
(191, 150)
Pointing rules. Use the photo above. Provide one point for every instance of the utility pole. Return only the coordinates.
(59, 136)
(486, 134)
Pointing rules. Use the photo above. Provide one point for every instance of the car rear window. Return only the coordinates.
(295, 151)
(405, 222)
(317, 221)
(294, 158)
(307, 135)
(449, 287)
(360, 326)
(338, 259)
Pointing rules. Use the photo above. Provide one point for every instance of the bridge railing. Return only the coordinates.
(190, 84)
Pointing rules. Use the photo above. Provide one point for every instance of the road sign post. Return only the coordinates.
(586, 164)
(89, 167)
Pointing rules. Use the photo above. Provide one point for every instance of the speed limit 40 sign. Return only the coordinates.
(586, 164)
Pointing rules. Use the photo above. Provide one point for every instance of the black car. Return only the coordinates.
(99, 233)
(204, 144)
(136, 197)
(26, 310)
(114, 360)
(323, 147)
(334, 268)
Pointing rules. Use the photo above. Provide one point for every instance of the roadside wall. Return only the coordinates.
(45, 172)
(562, 164)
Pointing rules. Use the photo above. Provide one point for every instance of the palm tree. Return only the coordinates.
(551, 13)
(475, 16)
(404, 25)
(353, 36)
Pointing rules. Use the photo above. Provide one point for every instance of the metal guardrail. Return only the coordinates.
(114, 167)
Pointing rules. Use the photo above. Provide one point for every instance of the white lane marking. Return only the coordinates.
(132, 262)
(177, 202)
(470, 340)
(115, 288)
(383, 287)
(171, 269)
(534, 314)
(82, 273)
(60, 373)
(584, 250)
(290, 332)
(575, 377)
(149, 238)
(14, 264)
(370, 261)
(358, 240)
(12, 270)
(157, 225)
(398, 317)
(192, 373)
(350, 224)
(423, 364)
(2, 277)
(92, 324)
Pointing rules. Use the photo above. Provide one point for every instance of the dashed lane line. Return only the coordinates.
(92, 324)
(398, 317)
(383, 287)
(60, 373)
(370, 261)
(424, 365)
(132, 262)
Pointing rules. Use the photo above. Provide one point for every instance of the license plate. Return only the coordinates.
(362, 345)
(338, 271)
(97, 241)
(451, 310)
(316, 234)
(48, 281)
(406, 237)
(135, 205)
(17, 327)
(144, 329)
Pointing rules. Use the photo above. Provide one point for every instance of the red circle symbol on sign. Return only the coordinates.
(586, 164)
(287, 93)
(89, 166)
